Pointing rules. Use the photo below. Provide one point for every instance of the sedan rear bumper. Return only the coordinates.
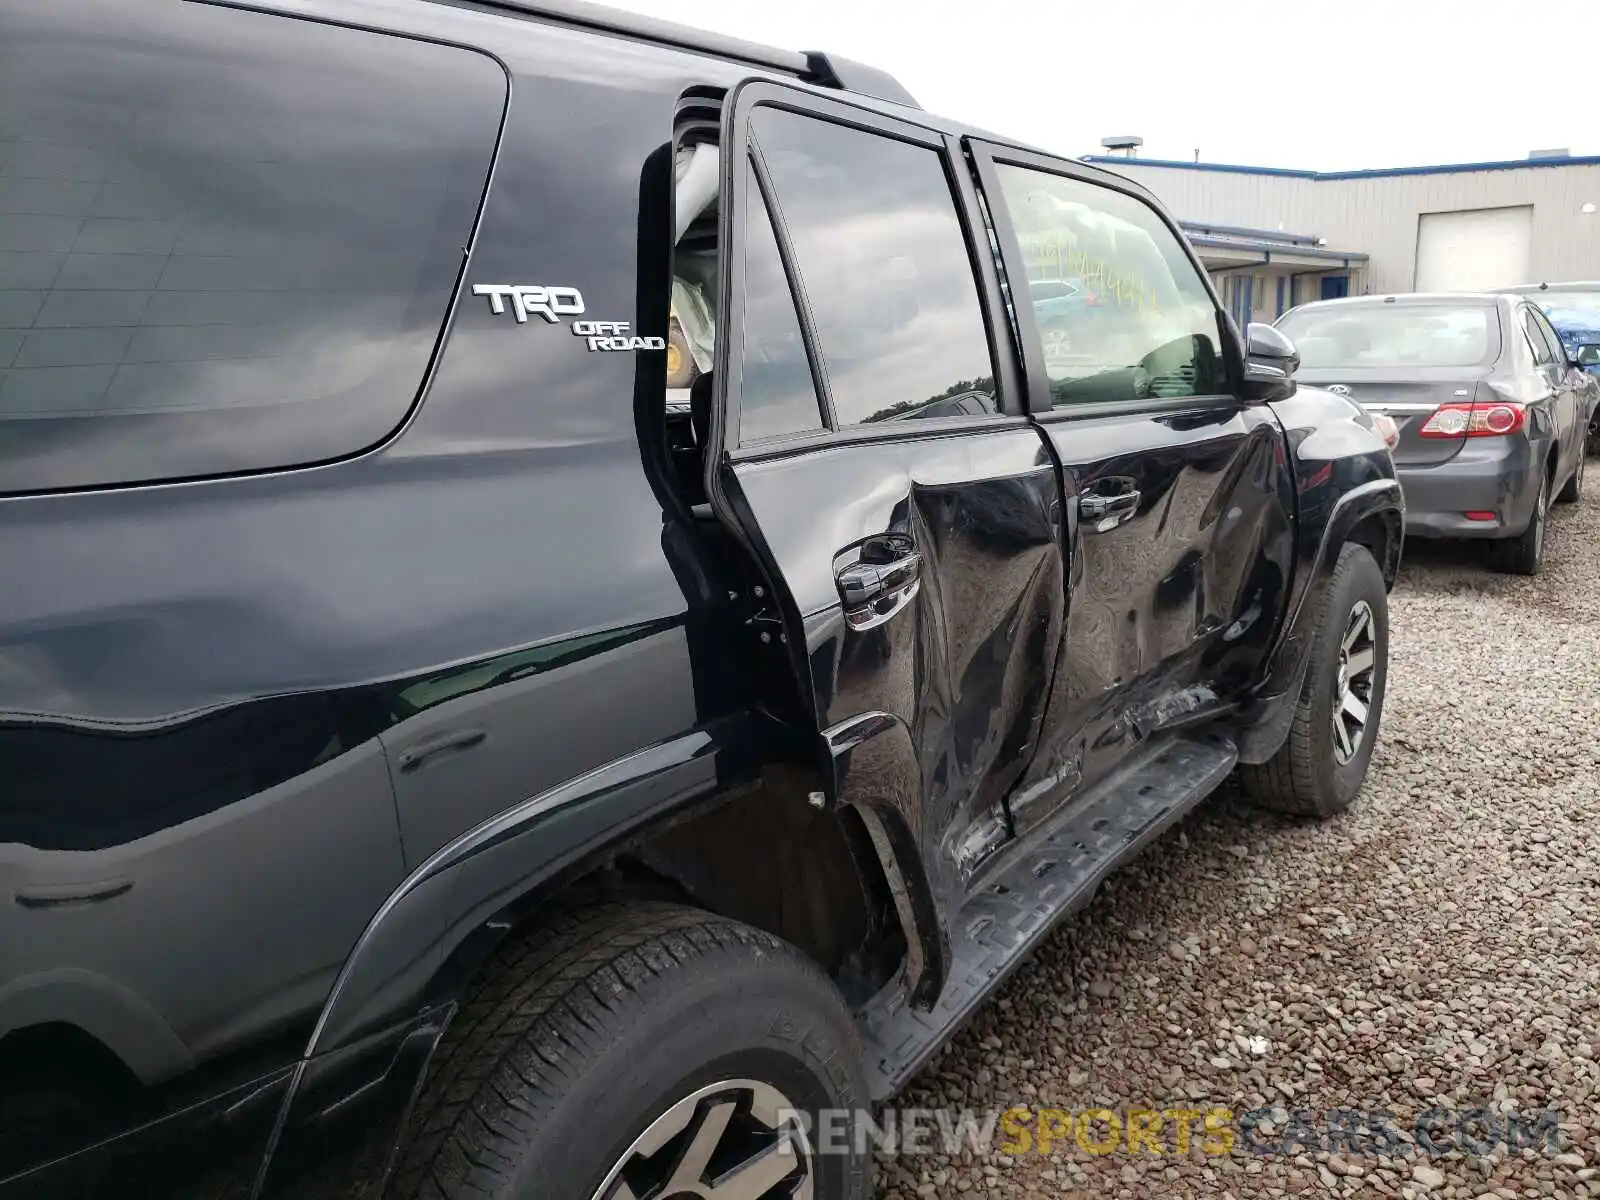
(1489, 475)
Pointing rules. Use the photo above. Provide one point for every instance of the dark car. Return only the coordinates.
(1492, 414)
(432, 764)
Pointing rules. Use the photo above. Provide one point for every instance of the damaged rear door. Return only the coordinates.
(877, 458)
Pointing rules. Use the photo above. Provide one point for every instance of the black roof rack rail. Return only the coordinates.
(848, 75)
(826, 70)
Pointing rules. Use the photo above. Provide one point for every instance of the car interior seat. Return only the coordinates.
(700, 409)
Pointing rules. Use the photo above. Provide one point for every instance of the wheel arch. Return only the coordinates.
(630, 828)
(1370, 514)
(1383, 534)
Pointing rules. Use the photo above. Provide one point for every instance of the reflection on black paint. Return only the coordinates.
(968, 398)
(71, 787)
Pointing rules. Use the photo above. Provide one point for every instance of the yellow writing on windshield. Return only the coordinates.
(1051, 253)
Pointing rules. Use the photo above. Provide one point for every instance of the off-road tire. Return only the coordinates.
(583, 1029)
(1304, 778)
(1572, 491)
(1524, 554)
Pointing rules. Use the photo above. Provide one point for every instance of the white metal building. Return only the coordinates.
(1466, 227)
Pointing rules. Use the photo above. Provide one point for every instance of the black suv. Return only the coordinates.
(558, 615)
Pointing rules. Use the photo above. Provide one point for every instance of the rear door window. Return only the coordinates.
(885, 268)
(228, 240)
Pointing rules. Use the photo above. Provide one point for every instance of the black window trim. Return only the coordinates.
(1527, 338)
(1553, 338)
(1530, 326)
(737, 140)
(767, 195)
(986, 155)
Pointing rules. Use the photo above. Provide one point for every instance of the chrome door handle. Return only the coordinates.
(1093, 506)
(862, 583)
(875, 591)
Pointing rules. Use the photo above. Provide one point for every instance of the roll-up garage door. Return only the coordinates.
(1473, 249)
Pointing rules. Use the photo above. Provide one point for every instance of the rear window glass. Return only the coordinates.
(1417, 335)
(228, 240)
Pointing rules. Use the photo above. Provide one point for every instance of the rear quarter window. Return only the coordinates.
(228, 240)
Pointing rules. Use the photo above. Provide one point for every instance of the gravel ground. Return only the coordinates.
(1435, 948)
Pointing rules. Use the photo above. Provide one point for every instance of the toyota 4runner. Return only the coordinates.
(559, 611)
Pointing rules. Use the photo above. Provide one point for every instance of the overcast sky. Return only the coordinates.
(1320, 84)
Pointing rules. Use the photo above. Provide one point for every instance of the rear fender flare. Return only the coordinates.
(394, 995)
(1272, 710)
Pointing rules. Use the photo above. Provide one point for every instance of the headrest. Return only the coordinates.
(700, 395)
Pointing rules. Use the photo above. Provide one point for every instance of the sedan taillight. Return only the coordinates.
(1498, 419)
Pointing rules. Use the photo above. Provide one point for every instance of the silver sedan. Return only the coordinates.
(1492, 413)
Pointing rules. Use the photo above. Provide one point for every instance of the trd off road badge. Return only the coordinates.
(554, 303)
(614, 335)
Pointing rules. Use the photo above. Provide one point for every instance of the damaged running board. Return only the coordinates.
(1056, 875)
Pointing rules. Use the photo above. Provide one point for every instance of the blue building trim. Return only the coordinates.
(1515, 164)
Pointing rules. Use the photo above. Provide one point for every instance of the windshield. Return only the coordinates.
(1571, 310)
(1413, 335)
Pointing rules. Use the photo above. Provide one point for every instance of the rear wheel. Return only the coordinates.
(1572, 493)
(640, 1050)
(1524, 554)
(1323, 763)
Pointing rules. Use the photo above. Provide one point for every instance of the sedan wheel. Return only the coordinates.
(1573, 492)
(1524, 554)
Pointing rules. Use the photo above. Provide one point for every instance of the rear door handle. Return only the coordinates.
(881, 582)
(1104, 504)
(445, 743)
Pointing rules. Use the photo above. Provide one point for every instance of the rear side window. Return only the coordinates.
(228, 240)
